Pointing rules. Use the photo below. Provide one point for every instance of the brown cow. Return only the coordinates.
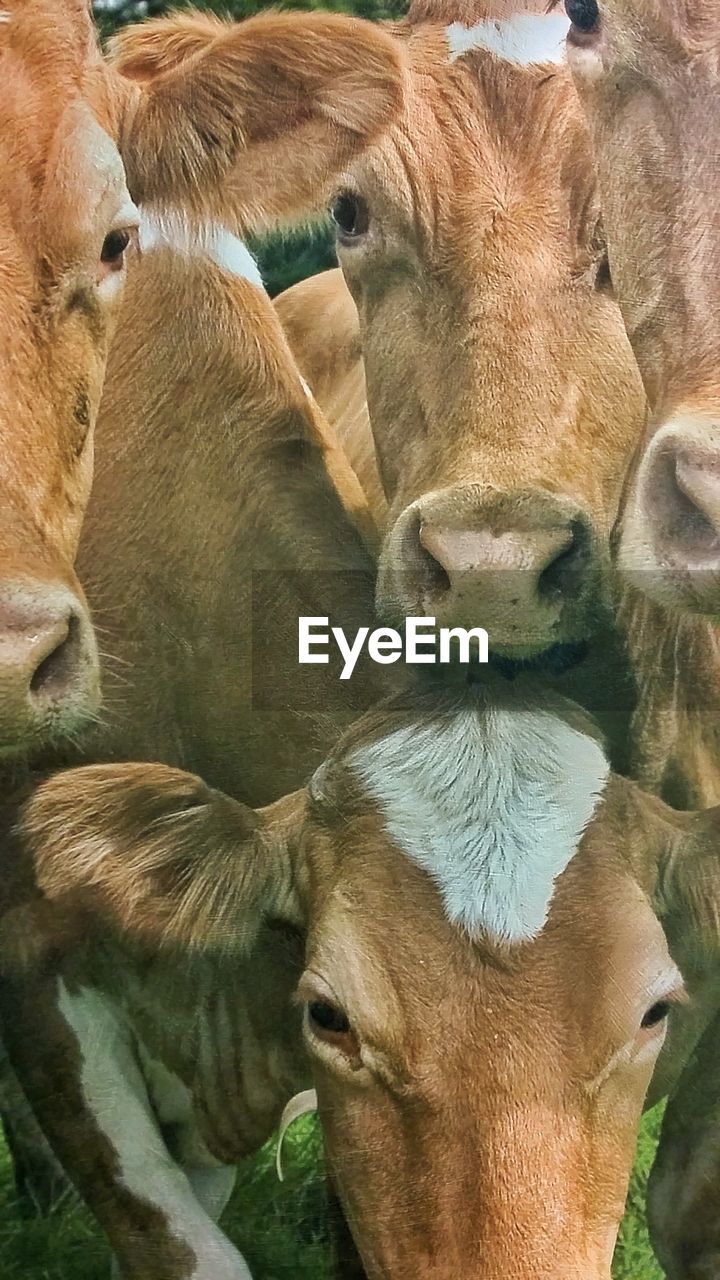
(221, 511)
(674, 743)
(503, 397)
(485, 990)
(648, 73)
(247, 121)
(656, 166)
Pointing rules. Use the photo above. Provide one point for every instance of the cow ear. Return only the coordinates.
(687, 892)
(252, 121)
(152, 857)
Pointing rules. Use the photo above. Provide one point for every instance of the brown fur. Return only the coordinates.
(193, 132)
(503, 398)
(523, 1173)
(199, 557)
(321, 323)
(655, 137)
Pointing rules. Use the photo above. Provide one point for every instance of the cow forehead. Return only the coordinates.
(492, 802)
(56, 161)
(419, 991)
(488, 151)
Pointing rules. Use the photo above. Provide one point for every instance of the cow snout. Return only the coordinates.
(521, 566)
(671, 539)
(49, 679)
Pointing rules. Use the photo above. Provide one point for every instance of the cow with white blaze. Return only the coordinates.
(481, 1002)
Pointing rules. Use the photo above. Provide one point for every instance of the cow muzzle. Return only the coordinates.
(524, 566)
(49, 668)
(670, 546)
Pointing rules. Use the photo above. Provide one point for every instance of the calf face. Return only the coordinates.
(647, 71)
(483, 1042)
(189, 125)
(502, 393)
(496, 936)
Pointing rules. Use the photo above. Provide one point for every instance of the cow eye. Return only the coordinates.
(113, 249)
(350, 215)
(328, 1018)
(584, 14)
(656, 1014)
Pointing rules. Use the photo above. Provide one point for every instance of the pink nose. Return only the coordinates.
(515, 583)
(464, 554)
(48, 663)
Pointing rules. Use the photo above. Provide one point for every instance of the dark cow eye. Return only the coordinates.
(113, 249)
(584, 14)
(328, 1018)
(350, 215)
(656, 1014)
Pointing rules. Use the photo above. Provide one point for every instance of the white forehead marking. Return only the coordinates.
(212, 241)
(492, 804)
(527, 39)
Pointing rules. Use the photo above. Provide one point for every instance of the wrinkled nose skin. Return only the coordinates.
(670, 546)
(523, 566)
(49, 676)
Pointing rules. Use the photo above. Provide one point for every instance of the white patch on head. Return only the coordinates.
(115, 1093)
(492, 804)
(528, 39)
(212, 241)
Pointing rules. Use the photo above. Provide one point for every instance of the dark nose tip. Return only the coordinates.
(48, 664)
(54, 653)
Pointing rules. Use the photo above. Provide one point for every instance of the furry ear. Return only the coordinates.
(252, 121)
(152, 856)
(144, 52)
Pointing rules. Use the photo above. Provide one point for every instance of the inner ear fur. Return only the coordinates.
(145, 52)
(151, 857)
(250, 121)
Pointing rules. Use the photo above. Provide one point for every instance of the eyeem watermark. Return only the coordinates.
(422, 642)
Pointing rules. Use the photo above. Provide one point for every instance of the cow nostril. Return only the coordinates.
(565, 572)
(695, 491)
(437, 577)
(58, 668)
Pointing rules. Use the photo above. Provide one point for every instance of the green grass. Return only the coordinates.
(280, 1228)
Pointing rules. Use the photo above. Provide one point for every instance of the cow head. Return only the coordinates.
(502, 392)
(501, 938)
(647, 71)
